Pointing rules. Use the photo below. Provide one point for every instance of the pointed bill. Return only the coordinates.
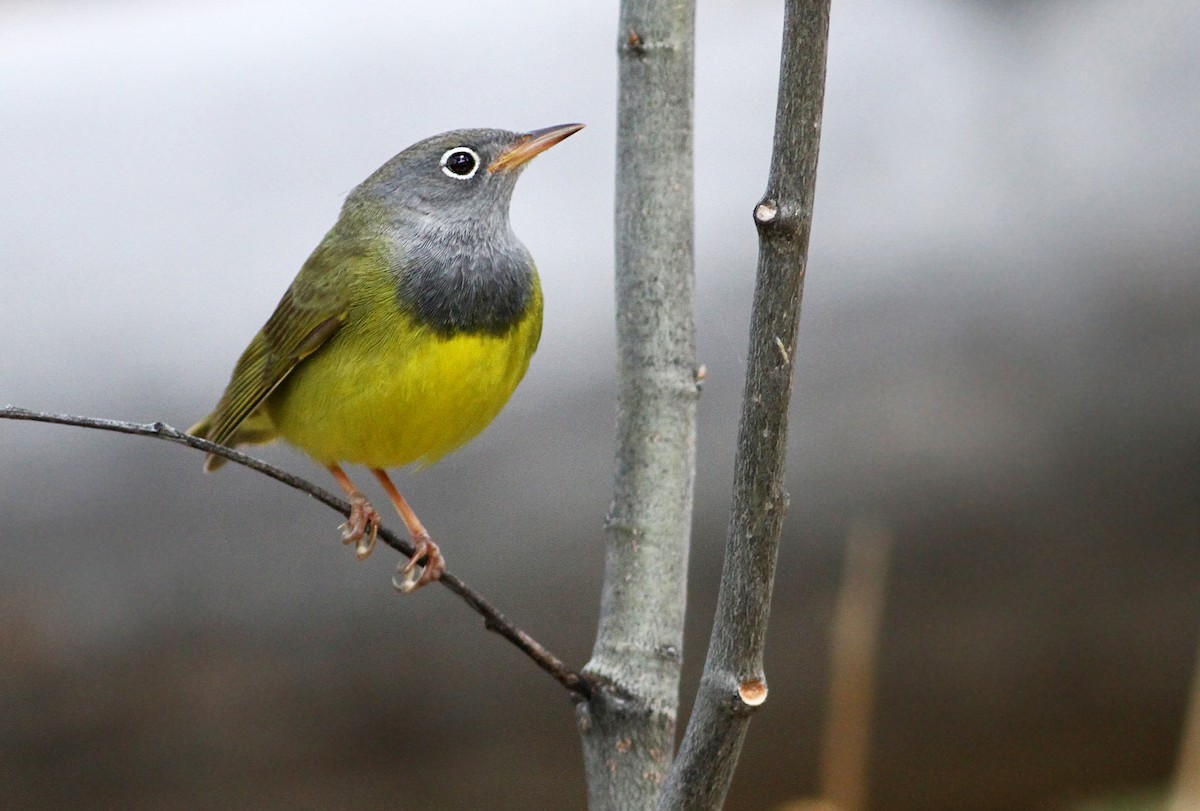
(531, 144)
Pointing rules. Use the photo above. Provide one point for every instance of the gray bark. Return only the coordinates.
(733, 684)
(628, 722)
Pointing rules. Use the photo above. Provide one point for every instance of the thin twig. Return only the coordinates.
(492, 618)
(733, 684)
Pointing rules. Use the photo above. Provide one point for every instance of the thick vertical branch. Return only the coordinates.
(733, 683)
(628, 723)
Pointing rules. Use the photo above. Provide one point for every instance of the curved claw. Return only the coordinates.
(417, 573)
(354, 529)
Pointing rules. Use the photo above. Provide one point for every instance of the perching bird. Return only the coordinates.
(404, 333)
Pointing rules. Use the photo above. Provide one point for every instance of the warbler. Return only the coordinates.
(404, 333)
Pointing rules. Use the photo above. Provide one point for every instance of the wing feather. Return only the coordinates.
(309, 314)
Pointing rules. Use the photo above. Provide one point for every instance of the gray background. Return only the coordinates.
(999, 359)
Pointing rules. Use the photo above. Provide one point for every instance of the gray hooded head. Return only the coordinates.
(443, 203)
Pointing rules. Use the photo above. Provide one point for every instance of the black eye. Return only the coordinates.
(460, 163)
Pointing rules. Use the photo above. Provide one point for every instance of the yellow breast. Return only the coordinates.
(386, 391)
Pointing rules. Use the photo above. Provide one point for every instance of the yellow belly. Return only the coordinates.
(385, 392)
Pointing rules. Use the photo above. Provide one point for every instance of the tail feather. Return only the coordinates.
(200, 431)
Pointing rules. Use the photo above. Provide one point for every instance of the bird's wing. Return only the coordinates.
(310, 312)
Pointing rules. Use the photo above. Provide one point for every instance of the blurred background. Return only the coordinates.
(999, 364)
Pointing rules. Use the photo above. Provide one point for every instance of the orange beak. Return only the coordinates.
(531, 144)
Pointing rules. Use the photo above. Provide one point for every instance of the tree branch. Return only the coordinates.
(628, 725)
(492, 618)
(733, 683)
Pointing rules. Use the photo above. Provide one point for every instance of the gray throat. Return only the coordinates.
(465, 280)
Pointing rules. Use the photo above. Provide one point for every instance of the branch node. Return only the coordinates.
(766, 212)
(623, 528)
(634, 43)
(753, 692)
(779, 220)
(669, 652)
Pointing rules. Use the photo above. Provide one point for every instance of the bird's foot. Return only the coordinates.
(354, 530)
(425, 566)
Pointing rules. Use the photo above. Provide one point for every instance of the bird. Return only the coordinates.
(404, 333)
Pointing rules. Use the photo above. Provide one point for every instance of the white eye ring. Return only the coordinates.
(454, 151)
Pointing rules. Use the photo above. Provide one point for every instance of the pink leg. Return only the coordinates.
(362, 515)
(415, 573)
